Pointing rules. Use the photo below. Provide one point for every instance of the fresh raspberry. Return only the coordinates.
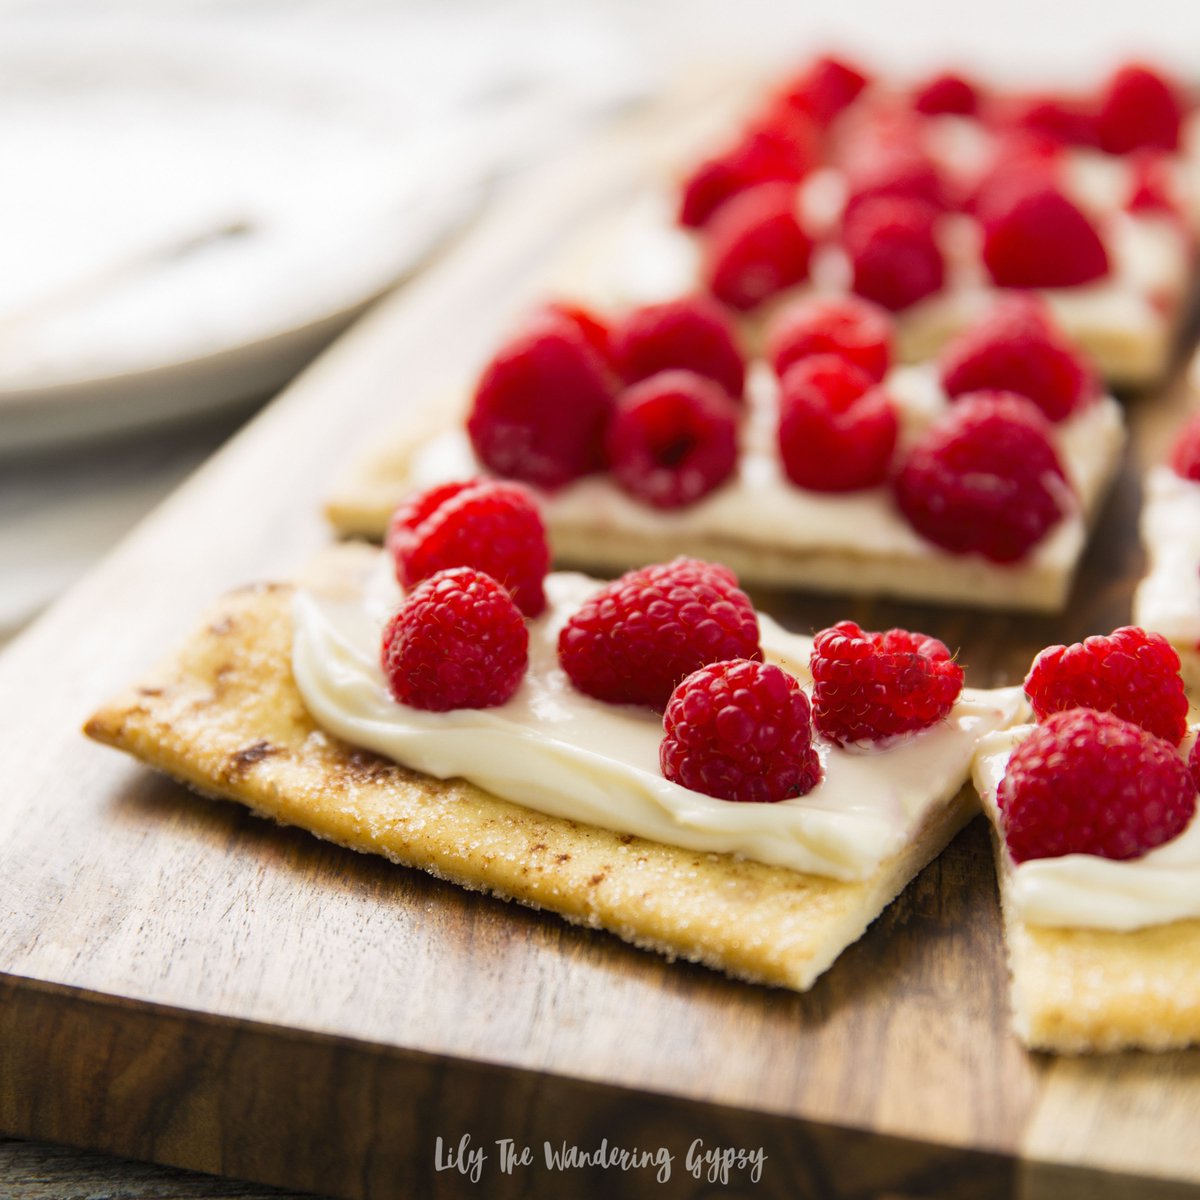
(1062, 119)
(755, 247)
(693, 332)
(593, 327)
(984, 478)
(868, 687)
(1019, 165)
(824, 88)
(673, 439)
(1184, 459)
(740, 730)
(1139, 109)
(896, 168)
(1038, 238)
(637, 637)
(893, 253)
(1087, 782)
(779, 146)
(458, 641)
(837, 431)
(542, 404)
(946, 93)
(1153, 186)
(493, 527)
(848, 326)
(1017, 348)
(1131, 673)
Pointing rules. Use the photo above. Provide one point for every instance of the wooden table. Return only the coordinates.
(182, 983)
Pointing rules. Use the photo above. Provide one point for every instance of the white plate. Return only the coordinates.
(183, 224)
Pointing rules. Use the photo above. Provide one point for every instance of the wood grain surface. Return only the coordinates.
(183, 983)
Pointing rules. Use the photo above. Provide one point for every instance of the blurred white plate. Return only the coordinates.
(184, 224)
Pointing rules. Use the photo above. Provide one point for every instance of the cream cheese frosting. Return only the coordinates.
(556, 750)
(1085, 891)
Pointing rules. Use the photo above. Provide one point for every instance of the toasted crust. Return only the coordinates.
(1083, 990)
(225, 717)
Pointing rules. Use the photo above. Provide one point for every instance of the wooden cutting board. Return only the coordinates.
(182, 982)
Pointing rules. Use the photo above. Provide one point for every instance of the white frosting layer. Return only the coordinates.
(1168, 598)
(560, 752)
(759, 506)
(1085, 891)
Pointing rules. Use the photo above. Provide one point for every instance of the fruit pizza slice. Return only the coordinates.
(929, 199)
(1098, 848)
(1168, 597)
(648, 756)
(971, 479)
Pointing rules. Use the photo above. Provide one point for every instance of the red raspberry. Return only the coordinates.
(848, 326)
(893, 253)
(593, 327)
(1060, 119)
(458, 641)
(1037, 238)
(984, 478)
(693, 332)
(1184, 459)
(756, 247)
(1017, 348)
(1153, 188)
(542, 404)
(779, 146)
(1139, 109)
(673, 439)
(874, 686)
(1087, 782)
(900, 169)
(824, 88)
(740, 730)
(1131, 673)
(837, 431)
(636, 638)
(493, 527)
(1020, 165)
(946, 93)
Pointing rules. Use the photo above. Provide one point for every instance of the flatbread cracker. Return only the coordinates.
(1094, 990)
(225, 717)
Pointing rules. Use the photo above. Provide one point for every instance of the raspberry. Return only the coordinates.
(946, 93)
(894, 256)
(1184, 459)
(1017, 348)
(899, 169)
(756, 247)
(824, 88)
(1139, 109)
(1038, 238)
(693, 332)
(493, 527)
(637, 637)
(1131, 673)
(874, 686)
(593, 327)
(458, 641)
(848, 326)
(740, 730)
(779, 146)
(542, 404)
(984, 478)
(837, 432)
(1060, 119)
(1153, 187)
(1087, 782)
(1020, 165)
(673, 439)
